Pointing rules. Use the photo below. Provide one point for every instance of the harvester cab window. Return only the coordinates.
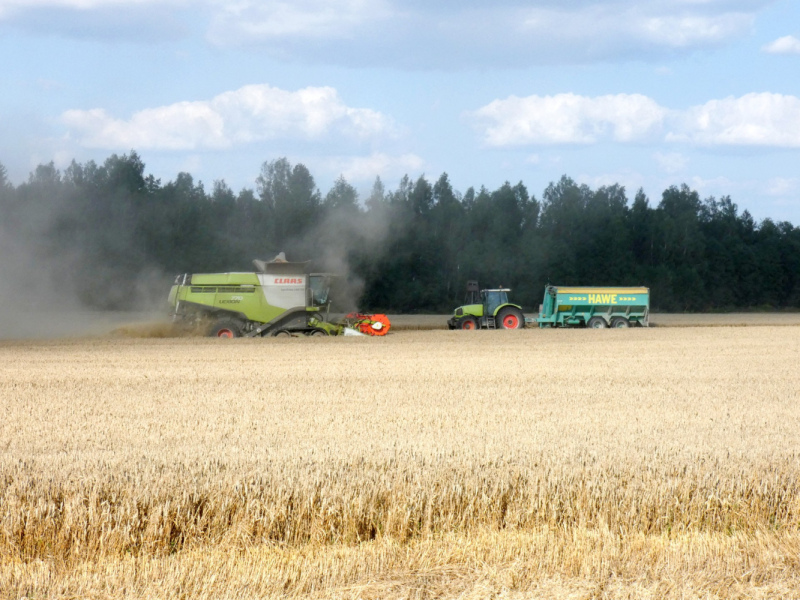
(319, 286)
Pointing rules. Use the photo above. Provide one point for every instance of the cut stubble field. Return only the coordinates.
(658, 463)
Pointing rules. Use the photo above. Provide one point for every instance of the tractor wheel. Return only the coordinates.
(468, 323)
(511, 318)
(620, 323)
(226, 328)
(318, 333)
(597, 323)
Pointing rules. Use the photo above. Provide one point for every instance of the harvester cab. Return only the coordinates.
(487, 309)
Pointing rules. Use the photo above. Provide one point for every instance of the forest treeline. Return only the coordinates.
(104, 232)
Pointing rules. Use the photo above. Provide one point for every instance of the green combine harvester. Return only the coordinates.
(279, 299)
(595, 307)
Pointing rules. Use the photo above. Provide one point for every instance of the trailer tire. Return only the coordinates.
(511, 318)
(597, 323)
(282, 333)
(468, 323)
(620, 323)
(226, 328)
(318, 333)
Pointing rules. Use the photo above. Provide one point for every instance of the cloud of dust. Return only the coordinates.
(50, 290)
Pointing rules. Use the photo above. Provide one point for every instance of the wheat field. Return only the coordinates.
(642, 463)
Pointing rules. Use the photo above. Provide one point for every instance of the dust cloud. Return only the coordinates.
(55, 291)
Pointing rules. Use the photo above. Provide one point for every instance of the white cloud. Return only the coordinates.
(787, 44)
(366, 168)
(250, 114)
(568, 119)
(757, 119)
(762, 119)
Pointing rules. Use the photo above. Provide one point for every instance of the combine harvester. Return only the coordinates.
(279, 299)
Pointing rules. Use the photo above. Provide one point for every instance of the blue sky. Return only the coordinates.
(646, 94)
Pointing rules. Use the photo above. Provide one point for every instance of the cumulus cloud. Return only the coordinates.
(751, 120)
(250, 114)
(568, 119)
(787, 44)
(757, 119)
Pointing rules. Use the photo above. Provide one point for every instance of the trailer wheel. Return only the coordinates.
(597, 323)
(620, 323)
(226, 328)
(318, 333)
(468, 323)
(511, 318)
(282, 333)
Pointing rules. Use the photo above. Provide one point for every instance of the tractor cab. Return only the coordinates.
(487, 309)
(492, 299)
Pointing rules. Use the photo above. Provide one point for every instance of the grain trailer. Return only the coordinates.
(595, 307)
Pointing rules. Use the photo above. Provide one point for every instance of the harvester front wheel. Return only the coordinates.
(226, 328)
(469, 323)
(597, 323)
(511, 318)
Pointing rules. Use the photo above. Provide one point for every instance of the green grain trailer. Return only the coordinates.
(595, 307)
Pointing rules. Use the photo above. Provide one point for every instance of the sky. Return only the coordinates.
(646, 94)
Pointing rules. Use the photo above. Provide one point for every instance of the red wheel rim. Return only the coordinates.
(511, 321)
(468, 325)
(225, 333)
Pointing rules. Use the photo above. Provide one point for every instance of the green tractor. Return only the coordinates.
(487, 309)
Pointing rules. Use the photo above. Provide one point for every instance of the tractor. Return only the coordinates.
(487, 309)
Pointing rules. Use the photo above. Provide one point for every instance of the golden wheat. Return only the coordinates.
(619, 463)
